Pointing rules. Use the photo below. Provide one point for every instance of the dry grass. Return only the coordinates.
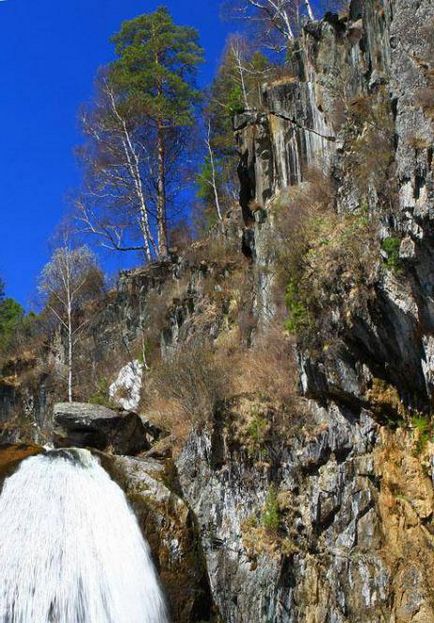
(185, 391)
(268, 367)
(324, 261)
(213, 250)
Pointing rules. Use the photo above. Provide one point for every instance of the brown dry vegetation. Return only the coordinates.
(326, 261)
(186, 390)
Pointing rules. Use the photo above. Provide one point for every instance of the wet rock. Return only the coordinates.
(12, 454)
(169, 526)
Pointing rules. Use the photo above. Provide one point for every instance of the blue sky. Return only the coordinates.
(49, 53)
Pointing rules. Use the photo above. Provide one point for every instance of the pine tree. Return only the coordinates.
(11, 314)
(154, 75)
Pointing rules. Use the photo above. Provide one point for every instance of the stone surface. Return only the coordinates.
(87, 425)
(125, 390)
(169, 526)
(12, 454)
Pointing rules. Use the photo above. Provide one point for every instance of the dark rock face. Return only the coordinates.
(331, 534)
(85, 425)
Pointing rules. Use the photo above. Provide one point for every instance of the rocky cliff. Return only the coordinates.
(317, 507)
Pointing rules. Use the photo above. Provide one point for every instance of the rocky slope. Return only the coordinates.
(328, 518)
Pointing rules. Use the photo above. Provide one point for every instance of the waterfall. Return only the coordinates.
(71, 550)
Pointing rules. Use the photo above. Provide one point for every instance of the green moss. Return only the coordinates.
(391, 247)
(271, 516)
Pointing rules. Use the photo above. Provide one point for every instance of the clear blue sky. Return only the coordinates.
(49, 53)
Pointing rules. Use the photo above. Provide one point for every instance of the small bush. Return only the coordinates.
(185, 391)
(101, 395)
(391, 247)
(258, 429)
(268, 368)
(298, 315)
(386, 402)
(271, 515)
(325, 261)
(424, 428)
(219, 251)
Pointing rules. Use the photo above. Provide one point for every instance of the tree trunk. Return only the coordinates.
(70, 347)
(213, 173)
(309, 10)
(161, 196)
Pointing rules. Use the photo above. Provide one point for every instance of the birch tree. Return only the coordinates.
(68, 281)
(281, 17)
(115, 201)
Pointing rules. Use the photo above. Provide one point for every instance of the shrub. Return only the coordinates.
(185, 390)
(424, 427)
(298, 315)
(391, 247)
(386, 402)
(268, 368)
(325, 261)
(258, 429)
(271, 515)
(101, 395)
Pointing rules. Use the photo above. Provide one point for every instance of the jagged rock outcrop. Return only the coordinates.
(341, 63)
(356, 499)
(83, 425)
(355, 509)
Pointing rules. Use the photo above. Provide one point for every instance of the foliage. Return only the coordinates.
(270, 515)
(101, 394)
(69, 281)
(386, 402)
(190, 384)
(139, 131)
(156, 67)
(11, 315)
(324, 260)
(258, 429)
(275, 22)
(391, 246)
(204, 180)
(236, 87)
(298, 315)
(425, 431)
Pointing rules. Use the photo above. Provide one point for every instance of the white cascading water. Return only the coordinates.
(71, 550)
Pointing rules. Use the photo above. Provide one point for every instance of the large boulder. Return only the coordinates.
(86, 425)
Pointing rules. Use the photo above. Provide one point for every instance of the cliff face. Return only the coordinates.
(356, 499)
(382, 51)
(320, 511)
